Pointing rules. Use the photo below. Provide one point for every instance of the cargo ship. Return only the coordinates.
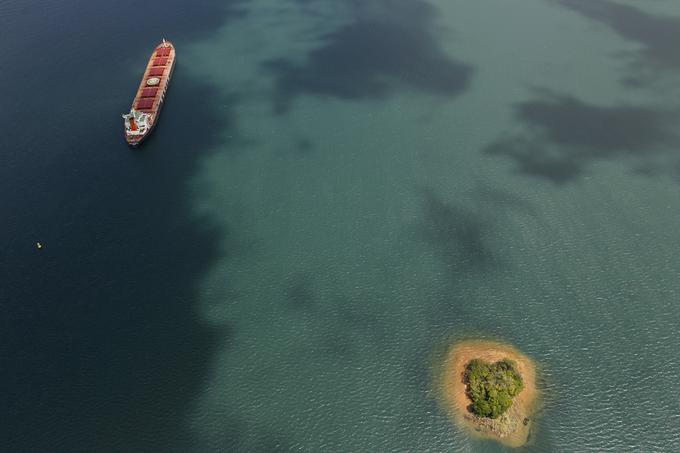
(148, 102)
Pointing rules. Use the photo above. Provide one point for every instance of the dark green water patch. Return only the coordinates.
(657, 35)
(564, 135)
(384, 45)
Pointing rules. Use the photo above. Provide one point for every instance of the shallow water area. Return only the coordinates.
(520, 417)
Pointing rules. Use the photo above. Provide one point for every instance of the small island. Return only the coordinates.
(490, 388)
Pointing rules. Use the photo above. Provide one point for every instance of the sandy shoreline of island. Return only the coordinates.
(512, 428)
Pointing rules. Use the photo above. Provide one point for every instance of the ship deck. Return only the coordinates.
(150, 96)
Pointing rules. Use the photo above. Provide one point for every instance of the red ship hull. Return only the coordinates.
(151, 92)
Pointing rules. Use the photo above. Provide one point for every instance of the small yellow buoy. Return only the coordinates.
(39, 245)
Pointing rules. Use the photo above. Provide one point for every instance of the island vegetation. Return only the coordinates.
(489, 388)
(492, 386)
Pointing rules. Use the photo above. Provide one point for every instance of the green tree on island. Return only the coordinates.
(492, 386)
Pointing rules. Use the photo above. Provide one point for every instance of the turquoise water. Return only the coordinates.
(337, 191)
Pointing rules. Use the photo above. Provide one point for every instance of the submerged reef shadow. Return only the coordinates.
(352, 320)
(503, 200)
(384, 44)
(563, 135)
(300, 294)
(469, 236)
(300, 147)
(458, 233)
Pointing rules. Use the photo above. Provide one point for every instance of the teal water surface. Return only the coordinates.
(337, 191)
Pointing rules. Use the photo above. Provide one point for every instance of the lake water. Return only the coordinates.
(336, 192)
